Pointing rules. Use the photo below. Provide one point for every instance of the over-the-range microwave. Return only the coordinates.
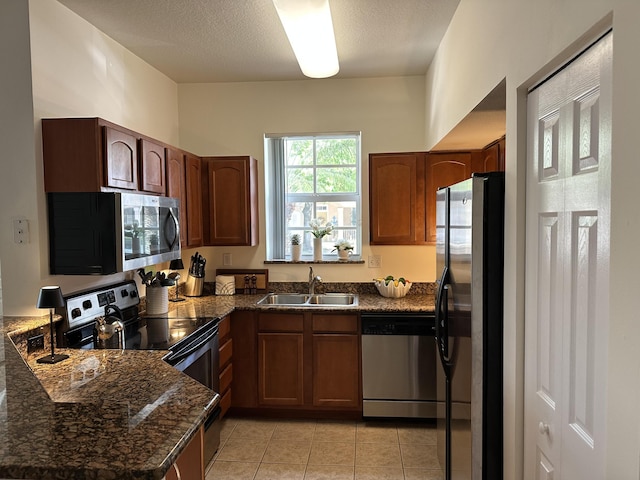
(102, 233)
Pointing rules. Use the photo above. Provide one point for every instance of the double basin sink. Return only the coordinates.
(304, 300)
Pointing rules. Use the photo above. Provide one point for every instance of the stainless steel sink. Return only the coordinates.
(283, 299)
(303, 300)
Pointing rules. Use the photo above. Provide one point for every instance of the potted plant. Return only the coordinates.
(296, 247)
(344, 248)
(319, 231)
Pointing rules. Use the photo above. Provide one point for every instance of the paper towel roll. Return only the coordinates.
(225, 285)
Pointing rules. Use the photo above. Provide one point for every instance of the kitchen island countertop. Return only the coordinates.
(107, 414)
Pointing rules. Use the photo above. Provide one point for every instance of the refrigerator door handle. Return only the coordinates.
(442, 322)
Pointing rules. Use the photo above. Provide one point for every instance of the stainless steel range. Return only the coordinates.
(108, 317)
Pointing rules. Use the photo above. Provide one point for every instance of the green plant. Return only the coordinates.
(295, 239)
(342, 245)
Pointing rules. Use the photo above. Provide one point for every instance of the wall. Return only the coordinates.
(75, 70)
(526, 41)
(232, 119)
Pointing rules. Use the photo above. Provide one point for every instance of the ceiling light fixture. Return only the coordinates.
(308, 26)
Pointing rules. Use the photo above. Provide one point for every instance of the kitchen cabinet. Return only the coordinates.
(309, 361)
(397, 198)
(403, 186)
(442, 170)
(280, 359)
(225, 363)
(244, 333)
(190, 463)
(230, 206)
(184, 182)
(493, 156)
(152, 167)
(336, 360)
(92, 155)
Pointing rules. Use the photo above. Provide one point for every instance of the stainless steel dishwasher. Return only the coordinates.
(398, 365)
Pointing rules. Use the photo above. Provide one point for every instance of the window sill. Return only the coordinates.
(304, 262)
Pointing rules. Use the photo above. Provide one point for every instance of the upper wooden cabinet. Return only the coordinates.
(397, 198)
(402, 189)
(91, 154)
(184, 173)
(152, 167)
(230, 206)
(493, 156)
(443, 169)
(120, 159)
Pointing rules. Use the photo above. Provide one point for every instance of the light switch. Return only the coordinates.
(21, 230)
(226, 259)
(375, 261)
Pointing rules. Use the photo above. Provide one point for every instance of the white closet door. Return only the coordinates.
(567, 269)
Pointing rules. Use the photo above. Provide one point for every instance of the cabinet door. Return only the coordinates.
(152, 168)
(443, 169)
(397, 198)
(176, 188)
(121, 159)
(280, 369)
(493, 157)
(245, 359)
(190, 463)
(336, 376)
(232, 201)
(193, 174)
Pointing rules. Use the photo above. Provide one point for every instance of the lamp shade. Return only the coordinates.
(176, 264)
(50, 297)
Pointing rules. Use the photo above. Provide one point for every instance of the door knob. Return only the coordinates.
(543, 428)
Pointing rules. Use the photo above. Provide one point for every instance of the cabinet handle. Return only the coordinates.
(543, 428)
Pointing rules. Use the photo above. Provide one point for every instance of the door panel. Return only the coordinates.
(567, 269)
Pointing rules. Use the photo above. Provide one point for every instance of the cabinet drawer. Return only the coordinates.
(225, 403)
(226, 352)
(224, 328)
(274, 322)
(335, 323)
(225, 378)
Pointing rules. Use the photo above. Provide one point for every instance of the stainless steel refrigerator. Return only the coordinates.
(469, 326)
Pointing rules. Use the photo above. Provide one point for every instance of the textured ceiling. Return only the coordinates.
(243, 40)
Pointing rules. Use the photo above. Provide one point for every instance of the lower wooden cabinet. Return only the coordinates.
(190, 463)
(244, 333)
(225, 365)
(308, 361)
(280, 369)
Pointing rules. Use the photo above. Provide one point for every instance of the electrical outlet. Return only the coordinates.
(375, 261)
(35, 343)
(226, 259)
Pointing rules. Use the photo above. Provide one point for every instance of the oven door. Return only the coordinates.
(197, 356)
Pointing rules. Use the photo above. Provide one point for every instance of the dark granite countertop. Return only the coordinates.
(107, 414)
(101, 414)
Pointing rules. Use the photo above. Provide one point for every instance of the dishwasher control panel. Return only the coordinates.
(421, 324)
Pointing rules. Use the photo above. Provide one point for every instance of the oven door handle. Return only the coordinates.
(175, 357)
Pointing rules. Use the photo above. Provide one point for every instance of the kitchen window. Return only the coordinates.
(312, 177)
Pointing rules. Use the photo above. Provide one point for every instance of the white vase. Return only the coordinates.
(157, 300)
(317, 249)
(296, 250)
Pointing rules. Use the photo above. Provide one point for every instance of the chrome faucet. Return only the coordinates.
(313, 281)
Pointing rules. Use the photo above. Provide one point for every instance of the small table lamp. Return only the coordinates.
(51, 297)
(176, 265)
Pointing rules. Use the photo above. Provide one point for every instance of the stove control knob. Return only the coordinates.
(86, 304)
(133, 294)
(75, 313)
(124, 293)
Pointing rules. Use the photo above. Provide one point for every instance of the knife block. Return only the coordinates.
(193, 286)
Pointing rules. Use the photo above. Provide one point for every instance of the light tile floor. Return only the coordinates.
(259, 449)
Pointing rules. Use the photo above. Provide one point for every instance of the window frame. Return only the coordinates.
(276, 225)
